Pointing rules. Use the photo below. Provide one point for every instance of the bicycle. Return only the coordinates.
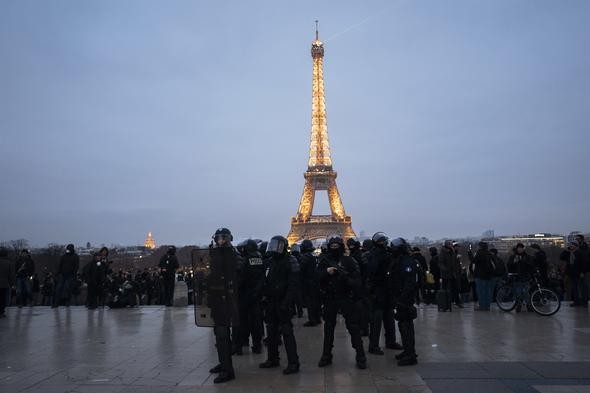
(543, 301)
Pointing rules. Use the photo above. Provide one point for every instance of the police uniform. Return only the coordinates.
(404, 277)
(341, 291)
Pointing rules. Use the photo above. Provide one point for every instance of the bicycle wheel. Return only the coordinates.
(505, 298)
(545, 302)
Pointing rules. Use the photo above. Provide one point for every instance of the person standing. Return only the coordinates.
(423, 268)
(447, 263)
(279, 292)
(434, 267)
(25, 268)
(310, 285)
(95, 275)
(379, 260)
(168, 265)
(340, 283)
(251, 282)
(355, 251)
(7, 279)
(223, 310)
(404, 277)
(483, 271)
(522, 264)
(66, 274)
(574, 261)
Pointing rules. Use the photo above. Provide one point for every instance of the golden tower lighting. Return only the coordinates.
(319, 175)
(149, 243)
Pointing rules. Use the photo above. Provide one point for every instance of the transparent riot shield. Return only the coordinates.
(215, 288)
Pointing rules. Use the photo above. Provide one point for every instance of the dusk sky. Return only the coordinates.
(178, 117)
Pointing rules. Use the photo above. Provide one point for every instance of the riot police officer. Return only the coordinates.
(251, 283)
(355, 251)
(404, 277)
(168, 265)
(223, 317)
(340, 282)
(279, 291)
(310, 284)
(378, 261)
(298, 304)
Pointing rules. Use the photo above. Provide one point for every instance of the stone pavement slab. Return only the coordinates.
(159, 350)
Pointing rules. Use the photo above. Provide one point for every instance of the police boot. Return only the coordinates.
(270, 364)
(291, 369)
(408, 360)
(216, 369)
(402, 355)
(361, 359)
(224, 376)
(361, 362)
(394, 345)
(325, 360)
(376, 351)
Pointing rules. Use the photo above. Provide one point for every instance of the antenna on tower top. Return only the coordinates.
(317, 34)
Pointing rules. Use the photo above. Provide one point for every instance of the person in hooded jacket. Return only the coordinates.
(66, 274)
(279, 292)
(340, 281)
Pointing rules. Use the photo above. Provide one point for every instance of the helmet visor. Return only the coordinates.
(276, 245)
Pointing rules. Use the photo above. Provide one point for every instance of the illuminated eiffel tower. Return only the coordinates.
(319, 175)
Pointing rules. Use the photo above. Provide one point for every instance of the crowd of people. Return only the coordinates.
(94, 285)
(372, 285)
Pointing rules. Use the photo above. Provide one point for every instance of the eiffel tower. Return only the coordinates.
(319, 175)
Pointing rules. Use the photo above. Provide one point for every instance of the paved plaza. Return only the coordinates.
(155, 349)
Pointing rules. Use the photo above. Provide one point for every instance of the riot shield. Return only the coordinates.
(215, 288)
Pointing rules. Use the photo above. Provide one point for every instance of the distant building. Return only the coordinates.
(149, 243)
(505, 244)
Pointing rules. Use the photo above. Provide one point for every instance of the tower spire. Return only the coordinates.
(319, 147)
(317, 34)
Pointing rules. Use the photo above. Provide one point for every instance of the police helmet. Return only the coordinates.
(380, 238)
(222, 236)
(307, 246)
(277, 245)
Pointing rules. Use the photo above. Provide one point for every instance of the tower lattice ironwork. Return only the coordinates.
(319, 175)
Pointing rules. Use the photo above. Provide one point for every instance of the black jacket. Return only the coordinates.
(281, 280)
(308, 265)
(95, 271)
(69, 264)
(403, 277)
(168, 264)
(25, 266)
(345, 283)
(521, 264)
(483, 264)
(251, 280)
(378, 265)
